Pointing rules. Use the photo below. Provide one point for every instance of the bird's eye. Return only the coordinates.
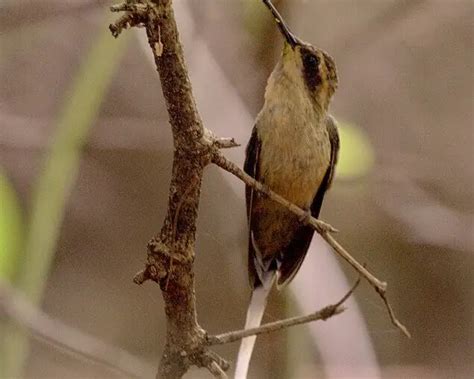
(311, 69)
(311, 61)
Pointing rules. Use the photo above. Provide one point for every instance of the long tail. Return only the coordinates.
(258, 302)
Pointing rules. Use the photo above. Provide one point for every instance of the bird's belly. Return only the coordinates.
(295, 169)
(297, 179)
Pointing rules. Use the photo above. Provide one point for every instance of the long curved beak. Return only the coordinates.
(290, 38)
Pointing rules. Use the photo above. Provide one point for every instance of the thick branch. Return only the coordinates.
(171, 251)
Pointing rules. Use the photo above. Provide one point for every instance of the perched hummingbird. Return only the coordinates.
(293, 150)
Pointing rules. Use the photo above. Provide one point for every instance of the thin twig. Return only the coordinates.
(226, 143)
(376, 283)
(391, 313)
(322, 314)
(135, 15)
(216, 370)
(221, 161)
(67, 338)
(321, 227)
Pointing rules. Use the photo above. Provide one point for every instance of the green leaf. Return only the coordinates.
(255, 14)
(11, 229)
(356, 155)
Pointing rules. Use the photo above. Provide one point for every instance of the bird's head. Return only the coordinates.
(314, 66)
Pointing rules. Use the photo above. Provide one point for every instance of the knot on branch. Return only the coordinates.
(216, 143)
(179, 360)
(136, 14)
(201, 147)
(161, 262)
(140, 13)
(329, 311)
(214, 363)
(182, 353)
(200, 355)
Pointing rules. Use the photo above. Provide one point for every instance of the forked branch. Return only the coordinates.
(323, 314)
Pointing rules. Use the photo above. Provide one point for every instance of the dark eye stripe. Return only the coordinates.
(311, 69)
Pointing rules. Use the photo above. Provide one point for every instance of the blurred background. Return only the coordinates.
(85, 160)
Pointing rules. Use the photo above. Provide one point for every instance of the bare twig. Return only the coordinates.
(135, 15)
(67, 338)
(321, 227)
(223, 162)
(323, 314)
(226, 143)
(391, 313)
(216, 370)
(376, 283)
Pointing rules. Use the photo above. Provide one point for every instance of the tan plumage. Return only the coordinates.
(293, 150)
(290, 151)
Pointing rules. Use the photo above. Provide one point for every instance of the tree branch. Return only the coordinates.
(171, 251)
(322, 314)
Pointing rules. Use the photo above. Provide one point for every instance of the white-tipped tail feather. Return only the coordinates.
(255, 311)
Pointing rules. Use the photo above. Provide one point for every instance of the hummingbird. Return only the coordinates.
(293, 149)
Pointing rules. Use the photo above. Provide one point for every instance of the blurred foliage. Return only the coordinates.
(299, 348)
(62, 161)
(254, 16)
(11, 229)
(59, 172)
(356, 155)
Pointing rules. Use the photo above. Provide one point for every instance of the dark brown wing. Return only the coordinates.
(331, 125)
(251, 167)
(294, 254)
